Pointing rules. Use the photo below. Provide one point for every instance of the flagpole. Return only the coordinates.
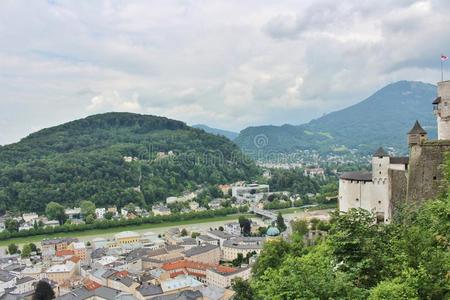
(442, 70)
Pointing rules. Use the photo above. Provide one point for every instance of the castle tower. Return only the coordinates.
(380, 164)
(416, 135)
(441, 107)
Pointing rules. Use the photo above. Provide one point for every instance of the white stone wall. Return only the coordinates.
(443, 115)
(371, 196)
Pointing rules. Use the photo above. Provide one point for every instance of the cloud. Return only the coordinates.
(228, 64)
(111, 101)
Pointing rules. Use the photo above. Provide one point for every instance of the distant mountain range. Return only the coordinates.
(228, 134)
(383, 119)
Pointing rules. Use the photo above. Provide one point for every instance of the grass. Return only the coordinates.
(99, 232)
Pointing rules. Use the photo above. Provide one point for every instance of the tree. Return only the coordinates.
(90, 219)
(43, 291)
(26, 251)
(300, 227)
(130, 207)
(13, 249)
(307, 277)
(271, 257)
(280, 222)
(246, 225)
(108, 215)
(242, 289)
(33, 247)
(221, 228)
(55, 211)
(195, 234)
(11, 225)
(184, 232)
(87, 208)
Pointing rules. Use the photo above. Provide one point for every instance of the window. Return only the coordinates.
(379, 202)
(357, 199)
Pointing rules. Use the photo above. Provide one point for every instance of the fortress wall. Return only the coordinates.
(425, 170)
(398, 188)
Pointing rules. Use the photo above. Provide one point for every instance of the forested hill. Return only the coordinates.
(383, 119)
(84, 160)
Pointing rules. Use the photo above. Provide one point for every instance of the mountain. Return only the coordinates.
(228, 134)
(114, 159)
(383, 119)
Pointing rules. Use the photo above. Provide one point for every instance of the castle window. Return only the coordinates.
(379, 165)
(434, 177)
(379, 202)
(357, 199)
(379, 172)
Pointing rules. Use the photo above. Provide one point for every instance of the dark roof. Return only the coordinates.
(399, 160)
(98, 253)
(417, 129)
(358, 176)
(437, 100)
(5, 276)
(147, 290)
(200, 249)
(380, 153)
(184, 295)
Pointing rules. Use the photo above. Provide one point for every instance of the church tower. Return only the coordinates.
(441, 107)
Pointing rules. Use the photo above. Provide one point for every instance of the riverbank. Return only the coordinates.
(89, 234)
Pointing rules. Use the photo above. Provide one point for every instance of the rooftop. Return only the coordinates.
(417, 129)
(200, 249)
(357, 176)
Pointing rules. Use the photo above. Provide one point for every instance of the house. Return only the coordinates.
(232, 228)
(221, 276)
(206, 239)
(61, 273)
(79, 249)
(205, 253)
(7, 280)
(193, 205)
(24, 285)
(215, 203)
(127, 237)
(160, 210)
(220, 236)
(243, 245)
(30, 217)
(100, 212)
(73, 213)
(50, 246)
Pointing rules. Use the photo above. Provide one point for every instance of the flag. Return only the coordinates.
(444, 57)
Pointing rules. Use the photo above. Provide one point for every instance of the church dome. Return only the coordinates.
(272, 231)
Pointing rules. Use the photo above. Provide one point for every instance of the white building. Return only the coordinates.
(30, 217)
(100, 212)
(233, 228)
(250, 192)
(371, 190)
(442, 110)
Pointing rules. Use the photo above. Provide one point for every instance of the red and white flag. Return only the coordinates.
(444, 57)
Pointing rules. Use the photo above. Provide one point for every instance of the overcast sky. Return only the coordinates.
(228, 64)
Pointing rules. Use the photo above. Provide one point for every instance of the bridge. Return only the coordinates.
(263, 213)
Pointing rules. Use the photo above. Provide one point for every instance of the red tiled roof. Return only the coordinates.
(183, 264)
(122, 274)
(91, 285)
(65, 252)
(175, 274)
(225, 269)
(75, 259)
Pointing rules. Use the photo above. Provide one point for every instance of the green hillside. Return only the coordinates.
(382, 119)
(84, 160)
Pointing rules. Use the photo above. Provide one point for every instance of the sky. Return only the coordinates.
(228, 64)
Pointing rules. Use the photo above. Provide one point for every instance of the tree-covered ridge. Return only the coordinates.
(359, 259)
(84, 160)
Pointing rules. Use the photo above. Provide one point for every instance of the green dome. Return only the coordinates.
(272, 231)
